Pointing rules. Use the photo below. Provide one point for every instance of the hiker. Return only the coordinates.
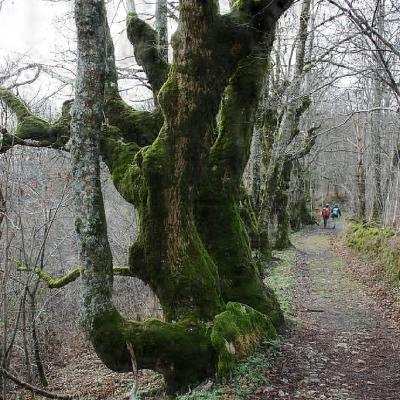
(335, 214)
(326, 212)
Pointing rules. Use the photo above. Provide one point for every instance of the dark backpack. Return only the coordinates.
(325, 212)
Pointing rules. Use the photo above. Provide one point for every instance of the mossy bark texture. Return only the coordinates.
(182, 171)
(281, 147)
(300, 213)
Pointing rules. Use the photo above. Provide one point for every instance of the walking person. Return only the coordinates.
(326, 212)
(335, 213)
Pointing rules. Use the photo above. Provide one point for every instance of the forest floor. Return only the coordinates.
(343, 342)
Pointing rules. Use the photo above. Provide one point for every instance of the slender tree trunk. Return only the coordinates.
(282, 203)
(162, 28)
(256, 175)
(34, 333)
(2, 211)
(25, 343)
(376, 124)
(131, 6)
(360, 175)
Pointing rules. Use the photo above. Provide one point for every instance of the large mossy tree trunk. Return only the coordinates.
(181, 166)
(219, 216)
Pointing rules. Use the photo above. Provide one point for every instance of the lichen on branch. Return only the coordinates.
(32, 130)
(72, 276)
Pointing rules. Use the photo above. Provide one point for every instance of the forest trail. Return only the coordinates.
(342, 346)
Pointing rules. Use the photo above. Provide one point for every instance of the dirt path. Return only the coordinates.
(342, 346)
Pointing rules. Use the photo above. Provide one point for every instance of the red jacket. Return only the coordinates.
(326, 212)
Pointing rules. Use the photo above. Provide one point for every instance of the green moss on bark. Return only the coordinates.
(280, 208)
(181, 351)
(218, 208)
(120, 158)
(249, 219)
(144, 39)
(15, 104)
(140, 127)
(185, 352)
(178, 269)
(236, 333)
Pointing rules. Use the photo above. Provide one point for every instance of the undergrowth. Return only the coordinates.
(380, 243)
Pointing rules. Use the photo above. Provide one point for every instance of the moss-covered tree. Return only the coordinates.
(300, 208)
(181, 166)
(282, 145)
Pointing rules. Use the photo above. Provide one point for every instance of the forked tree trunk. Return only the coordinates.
(183, 175)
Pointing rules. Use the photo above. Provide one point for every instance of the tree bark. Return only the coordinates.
(360, 175)
(162, 28)
(273, 212)
(300, 197)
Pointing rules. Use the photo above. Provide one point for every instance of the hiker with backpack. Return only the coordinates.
(335, 213)
(326, 212)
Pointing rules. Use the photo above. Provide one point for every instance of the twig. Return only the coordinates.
(134, 390)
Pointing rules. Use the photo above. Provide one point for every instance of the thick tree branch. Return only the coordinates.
(14, 103)
(124, 131)
(134, 126)
(140, 127)
(144, 40)
(57, 283)
(308, 144)
(259, 15)
(32, 130)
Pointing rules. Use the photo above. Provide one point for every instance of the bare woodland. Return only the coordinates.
(145, 184)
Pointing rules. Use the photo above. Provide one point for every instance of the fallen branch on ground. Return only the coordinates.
(34, 389)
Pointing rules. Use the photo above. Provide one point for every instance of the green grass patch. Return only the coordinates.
(382, 244)
(281, 279)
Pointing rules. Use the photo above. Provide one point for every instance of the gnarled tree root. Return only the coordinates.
(185, 352)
